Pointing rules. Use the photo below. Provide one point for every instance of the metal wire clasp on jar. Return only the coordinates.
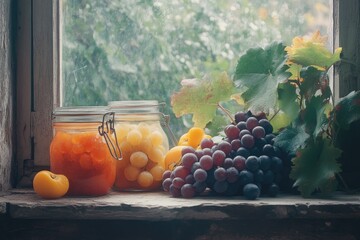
(84, 149)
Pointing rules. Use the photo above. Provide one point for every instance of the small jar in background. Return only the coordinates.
(80, 152)
(143, 144)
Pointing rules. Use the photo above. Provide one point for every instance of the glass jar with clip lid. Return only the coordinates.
(143, 142)
(84, 149)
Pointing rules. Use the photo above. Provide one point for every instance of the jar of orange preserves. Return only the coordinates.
(79, 150)
(143, 144)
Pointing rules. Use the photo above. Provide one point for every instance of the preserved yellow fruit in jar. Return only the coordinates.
(143, 144)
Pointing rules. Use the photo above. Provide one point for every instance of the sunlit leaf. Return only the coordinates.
(294, 70)
(315, 167)
(312, 52)
(258, 73)
(200, 97)
(280, 121)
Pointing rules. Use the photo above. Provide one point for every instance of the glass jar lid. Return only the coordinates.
(135, 107)
(79, 114)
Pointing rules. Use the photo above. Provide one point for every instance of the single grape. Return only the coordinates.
(206, 162)
(273, 190)
(199, 153)
(139, 159)
(207, 151)
(166, 184)
(268, 177)
(220, 174)
(270, 138)
(265, 162)
(251, 191)
(178, 182)
(248, 141)
(241, 125)
(206, 143)
(246, 177)
(252, 163)
(175, 192)
(276, 164)
(188, 160)
(266, 125)
(251, 123)
(166, 174)
(200, 175)
(187, 191)
(260, 115)
(220, 186)
(260, 142)
(172, 175)
(239, 163)
(243, 132)
(255, 151)
(195, 166)
(186, 150)
(240, 116)
(258, 176)
(218, 158)
(190, 179)
(235, 144)
(268, 150)
(225, 147)
(258, 132)
(228, 162)
(181, 171)
(213, 149)
(200, 187)
(243, 152)
(232, 174)
(210, 179)
(232, 132)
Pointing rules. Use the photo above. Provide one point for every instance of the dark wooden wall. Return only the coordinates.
(7, 74)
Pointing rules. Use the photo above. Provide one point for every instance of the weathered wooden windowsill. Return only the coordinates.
(159, 206)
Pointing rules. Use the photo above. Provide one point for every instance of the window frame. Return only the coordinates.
(38, 74)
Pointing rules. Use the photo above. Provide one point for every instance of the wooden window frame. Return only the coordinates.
(38, 74)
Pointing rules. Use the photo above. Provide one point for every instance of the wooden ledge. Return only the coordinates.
(157, 206)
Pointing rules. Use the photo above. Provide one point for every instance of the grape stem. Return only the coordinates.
(272, 117)
(227, 112)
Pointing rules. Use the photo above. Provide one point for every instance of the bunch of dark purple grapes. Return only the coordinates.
(245, 162)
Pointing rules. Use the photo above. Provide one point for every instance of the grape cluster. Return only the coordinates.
(245, 162)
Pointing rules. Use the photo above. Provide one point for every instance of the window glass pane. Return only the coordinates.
(141, 49)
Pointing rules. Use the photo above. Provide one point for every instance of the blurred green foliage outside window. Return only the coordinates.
(142, 49)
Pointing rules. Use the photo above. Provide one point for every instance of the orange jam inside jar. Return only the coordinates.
(143, 144)
(79, 152)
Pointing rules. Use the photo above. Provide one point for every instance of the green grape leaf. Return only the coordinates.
(280, 121)
(200, 97)
(347, 110)
(315, 115)
(287, 99)
(294, 70)
(315, 167)
(310, 81)
(216, 126)
(258, 73)
(292, 138)
(312, 52)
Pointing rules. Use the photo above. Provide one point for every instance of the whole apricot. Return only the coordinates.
(49, 185)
